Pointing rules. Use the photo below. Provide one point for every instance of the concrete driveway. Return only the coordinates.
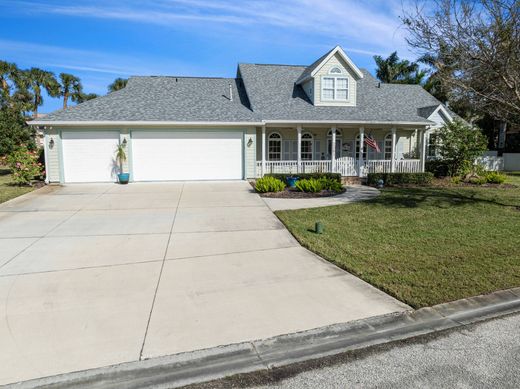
(94, 275)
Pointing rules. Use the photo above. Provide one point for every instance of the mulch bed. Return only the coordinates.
(289, 193)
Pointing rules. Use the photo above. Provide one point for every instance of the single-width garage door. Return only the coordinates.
(177, 155)
(89, 156)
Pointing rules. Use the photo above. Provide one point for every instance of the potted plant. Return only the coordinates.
(121, 159)
(291, 179)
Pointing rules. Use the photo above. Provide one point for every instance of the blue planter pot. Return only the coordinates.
(123, 178)
(291, 181)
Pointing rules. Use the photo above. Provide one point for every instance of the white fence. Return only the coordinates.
(346, 166)
(511, 161)
(491, 163)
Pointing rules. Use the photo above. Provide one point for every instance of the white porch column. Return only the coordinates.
(361, 146)
(263, 150)
(333, 149)
(299, 158)
(392, 162)
(423, 149)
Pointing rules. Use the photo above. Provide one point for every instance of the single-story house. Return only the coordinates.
(269, 118)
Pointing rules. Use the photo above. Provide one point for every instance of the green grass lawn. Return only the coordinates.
(422, 245)
(7, 190)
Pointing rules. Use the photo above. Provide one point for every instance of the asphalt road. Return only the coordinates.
(485, 355)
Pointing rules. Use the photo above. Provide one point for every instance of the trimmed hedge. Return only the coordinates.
(400, 178)
(306, 176)
(438, 168)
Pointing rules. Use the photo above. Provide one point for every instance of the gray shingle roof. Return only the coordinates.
(261, 92)
(273, 93)
(309, 69)
(165, 99)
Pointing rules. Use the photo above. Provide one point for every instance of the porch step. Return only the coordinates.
(353, 180)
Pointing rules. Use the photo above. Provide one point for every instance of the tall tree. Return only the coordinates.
(119, 83)
(394, 70)
(40, 80)
(475, 47)
(70, 87)
(87, 96)
(7, 72)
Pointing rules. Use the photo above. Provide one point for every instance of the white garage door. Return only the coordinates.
(89, 156)
(173, 155)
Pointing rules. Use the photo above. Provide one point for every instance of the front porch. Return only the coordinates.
(341, 150)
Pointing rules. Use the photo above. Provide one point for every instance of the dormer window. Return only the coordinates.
(334, 88)
(335, 70)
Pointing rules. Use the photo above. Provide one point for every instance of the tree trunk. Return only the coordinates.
(35, 108)
(65, 100)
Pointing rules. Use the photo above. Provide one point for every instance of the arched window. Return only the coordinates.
(274, 147)
(358, 138)
(307, 146)
(339, 143)
(388, 146)
(335, 70)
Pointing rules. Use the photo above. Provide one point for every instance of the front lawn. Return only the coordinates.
(422, 245)
(9, 191)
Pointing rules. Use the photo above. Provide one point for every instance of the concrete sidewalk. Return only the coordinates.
(96, 275)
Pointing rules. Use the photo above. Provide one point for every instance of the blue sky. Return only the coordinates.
(100, 40)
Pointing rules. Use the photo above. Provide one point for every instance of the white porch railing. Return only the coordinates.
(346, 166)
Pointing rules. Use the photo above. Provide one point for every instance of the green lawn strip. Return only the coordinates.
(423, 246)
(9, 191)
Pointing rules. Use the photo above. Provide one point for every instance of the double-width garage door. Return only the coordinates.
(177, 155)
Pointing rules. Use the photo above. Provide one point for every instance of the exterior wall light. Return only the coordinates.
(124, 142)
(51, 143)
(250, 142)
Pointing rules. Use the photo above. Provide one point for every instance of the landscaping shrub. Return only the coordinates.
(269, 184)
(495, 177)
(331, 184)
(400, 178)
(478, 180)
(305, 176)
(24, 165)
(437, 167)
(311, 185)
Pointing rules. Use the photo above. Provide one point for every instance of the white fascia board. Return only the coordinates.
(444, 111)
(350, 122)
(115, 123)
(345, 57)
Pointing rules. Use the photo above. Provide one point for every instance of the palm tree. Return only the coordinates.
(40, 80)
(8, 71)
(70, 86)
(393, 70)
(119, 83)
(87, 96)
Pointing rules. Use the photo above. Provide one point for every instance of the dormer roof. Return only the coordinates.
(313, 68)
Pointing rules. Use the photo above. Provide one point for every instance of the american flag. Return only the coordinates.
(371, 142)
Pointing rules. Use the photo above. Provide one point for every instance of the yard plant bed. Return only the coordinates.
(290, 193)
(8, 190)
(423, 245)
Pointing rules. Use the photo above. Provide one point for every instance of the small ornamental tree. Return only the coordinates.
(459, 146)
(24, 165)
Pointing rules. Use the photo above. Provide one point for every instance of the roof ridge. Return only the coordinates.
(272, 64)
(190, 77)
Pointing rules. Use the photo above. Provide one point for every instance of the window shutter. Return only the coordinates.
(294, 151)
(399, 150)
(286, 150)
(317, 150)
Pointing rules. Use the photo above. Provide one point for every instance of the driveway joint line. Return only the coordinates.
(159, 278)
(48, 232)
(233, 252)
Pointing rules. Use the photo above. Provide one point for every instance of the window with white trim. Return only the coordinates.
(358, 139)
(388, 146)
(433, 144)
(334, 88)
(307, 145)
(274, 147)
(339, 143)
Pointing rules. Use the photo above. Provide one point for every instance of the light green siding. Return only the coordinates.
(335, 61)
(53, 155)
(250, 152)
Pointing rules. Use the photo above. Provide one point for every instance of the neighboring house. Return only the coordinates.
(270, 118)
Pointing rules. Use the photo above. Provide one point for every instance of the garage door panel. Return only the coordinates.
(172, 155)
(89, 156)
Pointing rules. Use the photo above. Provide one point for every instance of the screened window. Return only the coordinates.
(274, 147)
(334, 88)
(358, 138)
(433, 145)
(307, 143)
(388, 146)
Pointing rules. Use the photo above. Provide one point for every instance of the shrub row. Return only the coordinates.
(314, 185)
(306, 176)
(438, 168)
(400, 178)
(269, 184)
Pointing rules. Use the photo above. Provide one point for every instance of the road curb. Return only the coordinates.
(210, 364)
